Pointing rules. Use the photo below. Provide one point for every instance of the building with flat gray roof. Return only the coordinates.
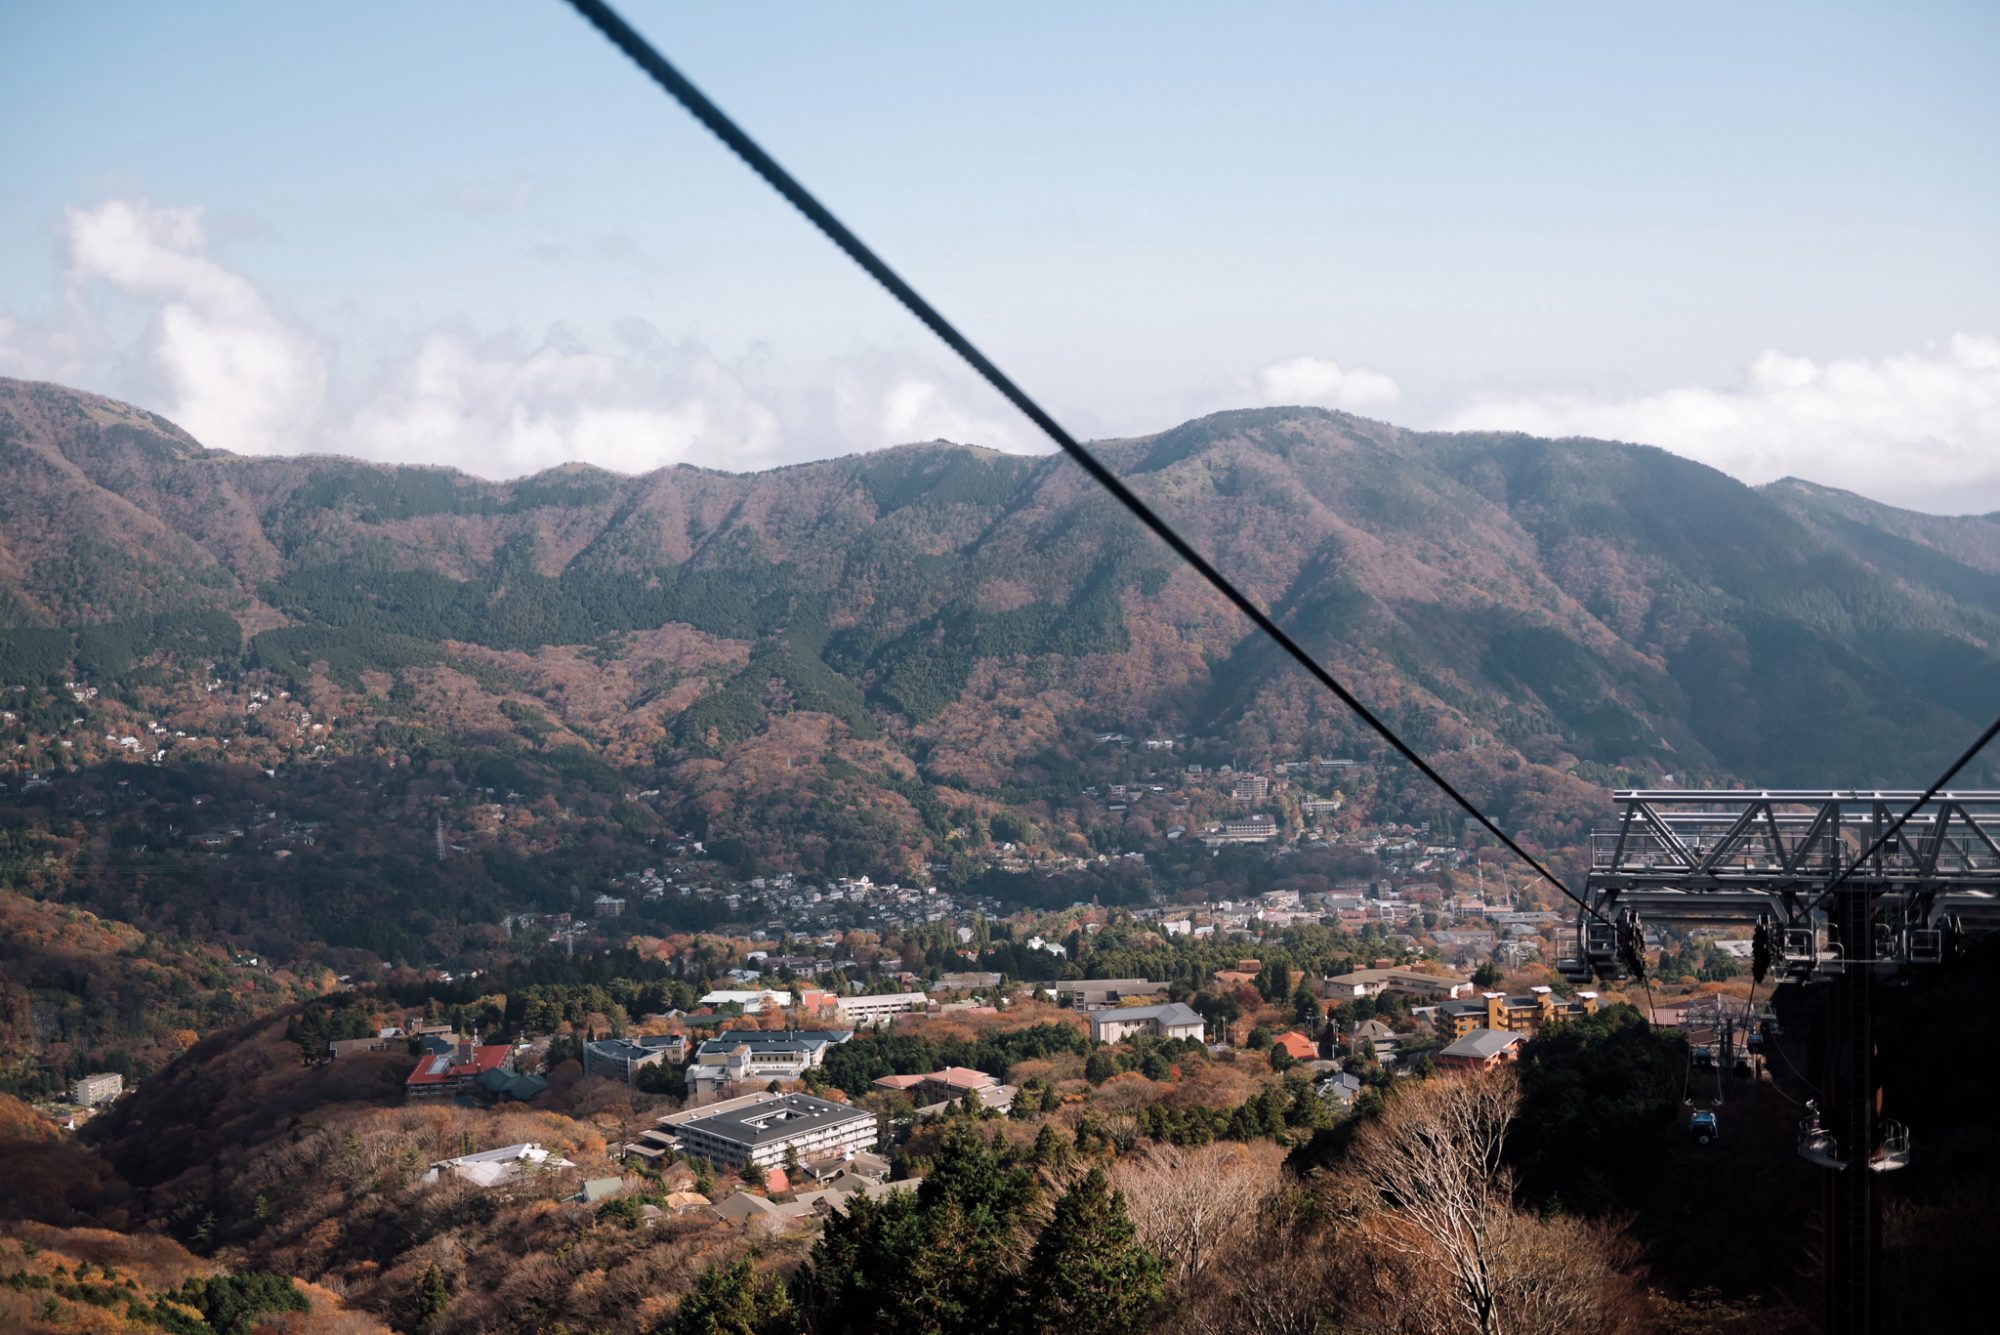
(1405, 982)
(740, 1057)
(1089, 993)
(762, 1132)
(624, 1058)
(1481, 1050)
(878, 1009)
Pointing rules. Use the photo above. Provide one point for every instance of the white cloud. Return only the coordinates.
(498, 410)
(1320, 382)
(209, 351)
(1919, 429)
(891, 399)
(236, 376)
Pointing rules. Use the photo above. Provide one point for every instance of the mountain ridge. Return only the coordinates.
(899, 645)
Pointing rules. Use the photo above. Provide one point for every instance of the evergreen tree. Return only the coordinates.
(204, 1233)
(1087, 1271)
(1051, 1150)
(432, 1297)
(931, 1262)
(735, 1300)
(1306, 1008)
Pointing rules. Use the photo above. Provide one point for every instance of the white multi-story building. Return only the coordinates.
(1256, 829)
(740, 1057)
(92, 1090)
(766, 1131)
(1251, 788)
(867, 1012)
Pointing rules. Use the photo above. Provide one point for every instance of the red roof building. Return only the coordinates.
(457, 1071)
(1296, 1045)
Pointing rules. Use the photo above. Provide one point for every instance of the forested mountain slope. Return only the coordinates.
(841, 664)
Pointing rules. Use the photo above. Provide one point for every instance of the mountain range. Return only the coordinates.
(848, 660)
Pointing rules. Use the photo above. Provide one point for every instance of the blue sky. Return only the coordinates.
(1760, 235)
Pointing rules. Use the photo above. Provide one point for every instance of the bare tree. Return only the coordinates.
(1246, 1253)
(1187, 1202)
(1425, 1179)
(1425, 1193)
(1278, 1276)
(1559, 1273)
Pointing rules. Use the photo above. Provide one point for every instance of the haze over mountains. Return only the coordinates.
(971, 620)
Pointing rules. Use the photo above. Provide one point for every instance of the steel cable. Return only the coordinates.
(642, 53)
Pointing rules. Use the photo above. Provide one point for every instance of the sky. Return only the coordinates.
(1762, 236)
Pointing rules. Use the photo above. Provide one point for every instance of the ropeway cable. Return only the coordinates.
(643, 54)
(1779, 1048)
(1992, 731)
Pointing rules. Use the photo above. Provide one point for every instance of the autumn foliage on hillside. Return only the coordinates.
(112, 997)
(856, 664)
(61, 1281)
(317, 1173)
(47, 1176)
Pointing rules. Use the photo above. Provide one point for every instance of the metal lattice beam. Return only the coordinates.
(1737, 858)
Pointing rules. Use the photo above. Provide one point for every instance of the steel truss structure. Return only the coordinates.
(1771, 856)
(1826, 896)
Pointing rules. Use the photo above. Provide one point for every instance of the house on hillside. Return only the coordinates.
(1258, 829)
(755, 1001)
(1339, 1088)
(1296, 1046)
(869, 1011)
(952, 1081)
(1250, 788)
(995, 1098)
(501, 1085)
(1174, 1020)
(93, 1090)
(1377, 1037)
(1481, 1050)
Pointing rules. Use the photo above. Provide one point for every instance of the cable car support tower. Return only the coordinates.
(1833, 894)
